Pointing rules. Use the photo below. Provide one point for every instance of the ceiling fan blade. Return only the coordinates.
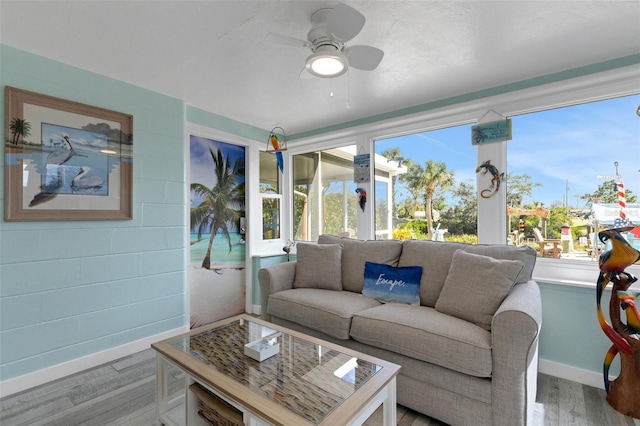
(364, 57)
(285, 40)
(344, 22)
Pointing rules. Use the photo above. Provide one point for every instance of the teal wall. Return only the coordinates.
(209, 119)
(570, 331)
(70, 289)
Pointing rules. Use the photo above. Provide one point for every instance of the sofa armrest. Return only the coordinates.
(272, 279)
(514, 332)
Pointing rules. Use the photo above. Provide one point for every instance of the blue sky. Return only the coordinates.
(571, 146)
(80, 139)
(201, 168)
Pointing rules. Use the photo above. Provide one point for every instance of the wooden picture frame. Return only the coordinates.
(65, 160)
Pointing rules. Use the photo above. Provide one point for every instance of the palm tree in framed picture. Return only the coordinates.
(19, 128)
(222, 204)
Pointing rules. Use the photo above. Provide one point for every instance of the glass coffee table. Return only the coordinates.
(303, 381)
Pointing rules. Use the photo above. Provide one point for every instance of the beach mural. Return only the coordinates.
(217, 251)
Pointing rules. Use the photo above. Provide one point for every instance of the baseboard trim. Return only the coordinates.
(257, 309)
(58, 371)
(568, 372)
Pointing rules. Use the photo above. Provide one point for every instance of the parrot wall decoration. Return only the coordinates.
(275, 143)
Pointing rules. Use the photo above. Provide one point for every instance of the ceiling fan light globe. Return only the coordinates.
(324, 64)
(327, 66)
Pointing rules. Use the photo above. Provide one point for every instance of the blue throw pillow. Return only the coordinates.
(390, 284)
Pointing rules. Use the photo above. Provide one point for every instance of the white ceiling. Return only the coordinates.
(212, 55)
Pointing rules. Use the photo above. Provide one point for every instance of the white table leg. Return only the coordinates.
(161, 388)
(389, 405)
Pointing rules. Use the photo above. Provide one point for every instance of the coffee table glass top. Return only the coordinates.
(305, 378)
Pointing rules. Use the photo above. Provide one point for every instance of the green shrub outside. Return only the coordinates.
(464, 238)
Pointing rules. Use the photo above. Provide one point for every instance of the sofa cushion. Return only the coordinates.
(392, 284)
(435, 259)
(356, 252)
(318, 266)
(423, 333)
(476, 286)
(323, 310)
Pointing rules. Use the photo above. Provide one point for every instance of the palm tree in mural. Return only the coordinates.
(222, 204)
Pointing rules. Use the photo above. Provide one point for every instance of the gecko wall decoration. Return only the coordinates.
(496, 178)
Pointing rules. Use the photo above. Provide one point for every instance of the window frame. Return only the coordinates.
(271, 196)
(327, 158)
(272, 245)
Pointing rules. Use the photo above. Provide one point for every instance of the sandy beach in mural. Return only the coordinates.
(216, 293)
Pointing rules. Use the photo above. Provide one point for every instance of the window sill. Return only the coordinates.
(574, 273)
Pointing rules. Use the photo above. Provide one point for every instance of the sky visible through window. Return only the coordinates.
(569, 151)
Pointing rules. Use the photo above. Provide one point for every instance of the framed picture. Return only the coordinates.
(65, 160)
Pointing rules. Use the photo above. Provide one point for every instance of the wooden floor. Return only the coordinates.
(123, 393)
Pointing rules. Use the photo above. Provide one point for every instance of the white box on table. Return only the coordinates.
(263, 348)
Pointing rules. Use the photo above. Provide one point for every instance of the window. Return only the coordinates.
(433, 186)
(270, 217)
(384, 212)
(270, 197)
(566, 167)
(324, 197)
(269, 176)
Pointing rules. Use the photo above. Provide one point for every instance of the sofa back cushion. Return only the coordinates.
(318, 266)
(476, 286)
(435, 259)
(356, 252)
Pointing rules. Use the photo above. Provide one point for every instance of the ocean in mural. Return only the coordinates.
(220, 256)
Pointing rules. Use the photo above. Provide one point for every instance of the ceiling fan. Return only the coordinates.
(330, 30)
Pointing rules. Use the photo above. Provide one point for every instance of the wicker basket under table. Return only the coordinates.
(214, 410)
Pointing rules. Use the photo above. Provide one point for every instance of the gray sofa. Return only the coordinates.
(468, 351)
